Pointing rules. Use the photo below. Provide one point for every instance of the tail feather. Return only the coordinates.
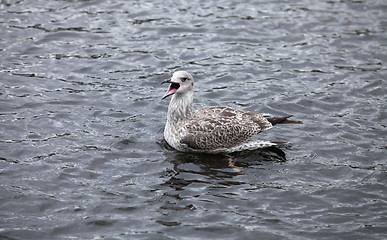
(283, 120)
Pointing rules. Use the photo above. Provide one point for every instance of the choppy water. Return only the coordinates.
(81, 119)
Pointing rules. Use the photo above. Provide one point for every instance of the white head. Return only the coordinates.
(180, 83)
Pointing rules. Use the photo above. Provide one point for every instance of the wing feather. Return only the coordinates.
(222, 128)
(210, 133)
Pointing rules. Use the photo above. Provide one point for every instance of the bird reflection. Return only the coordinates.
(191, 168)
(203, 180)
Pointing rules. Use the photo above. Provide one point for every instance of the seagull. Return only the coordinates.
(213, 130)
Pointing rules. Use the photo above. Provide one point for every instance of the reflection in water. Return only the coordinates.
(215, 166)
(207, 180)
(210, 167)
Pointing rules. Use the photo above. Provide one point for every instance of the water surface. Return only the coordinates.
(81, 118)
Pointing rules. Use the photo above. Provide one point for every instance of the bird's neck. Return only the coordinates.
(181, 107)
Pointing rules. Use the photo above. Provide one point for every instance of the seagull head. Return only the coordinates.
(181, 82)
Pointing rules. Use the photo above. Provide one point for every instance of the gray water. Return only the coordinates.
(82, 154)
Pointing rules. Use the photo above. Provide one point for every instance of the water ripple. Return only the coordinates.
(82, 151)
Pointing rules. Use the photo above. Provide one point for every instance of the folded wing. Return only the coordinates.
(222, 127)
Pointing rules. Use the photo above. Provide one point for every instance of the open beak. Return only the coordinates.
(172, 87)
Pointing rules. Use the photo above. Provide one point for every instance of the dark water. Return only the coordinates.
(81, 119)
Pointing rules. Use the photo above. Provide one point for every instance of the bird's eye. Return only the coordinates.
(183, 79)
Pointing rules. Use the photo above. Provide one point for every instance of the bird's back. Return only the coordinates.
(217, 128)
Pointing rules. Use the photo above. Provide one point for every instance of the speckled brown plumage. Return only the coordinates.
(222, 128)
